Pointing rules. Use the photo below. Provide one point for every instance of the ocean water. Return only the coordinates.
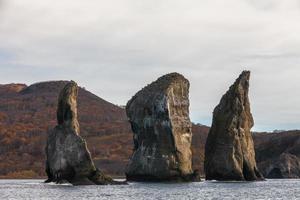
(36, 189)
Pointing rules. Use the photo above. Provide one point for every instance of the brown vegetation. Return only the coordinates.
(27, 113)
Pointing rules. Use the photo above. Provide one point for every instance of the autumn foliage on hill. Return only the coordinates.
(28, 113)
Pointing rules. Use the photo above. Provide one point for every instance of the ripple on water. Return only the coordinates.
(36, 189)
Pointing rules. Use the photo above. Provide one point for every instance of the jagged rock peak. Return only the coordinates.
(67, 107)
(229, 150)
(159, 117)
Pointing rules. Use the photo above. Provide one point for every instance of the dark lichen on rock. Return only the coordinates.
(229, 150)
(67, 156)
(159, 117)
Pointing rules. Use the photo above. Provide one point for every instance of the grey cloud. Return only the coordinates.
(114, 48)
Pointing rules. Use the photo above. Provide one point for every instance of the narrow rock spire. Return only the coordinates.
(68, 158)
(229, 150)
(67, 107)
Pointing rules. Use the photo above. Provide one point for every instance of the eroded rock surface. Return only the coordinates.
(286, 166)
(229, 150)
(278, 154)
(159, 117)
(68, 158)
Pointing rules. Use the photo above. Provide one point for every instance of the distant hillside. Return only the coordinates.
(278, 154)
(28, 112)
(200, 133)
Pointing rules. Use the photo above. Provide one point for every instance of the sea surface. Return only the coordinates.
(36, 189)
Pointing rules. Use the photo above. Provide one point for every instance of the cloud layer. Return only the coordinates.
(114, 48)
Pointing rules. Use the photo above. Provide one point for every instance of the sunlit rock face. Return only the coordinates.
(68, 158)
(229, 150)
(159, 117)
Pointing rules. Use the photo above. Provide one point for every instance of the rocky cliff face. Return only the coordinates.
(278, 154)
(229, 150)
(286, 166)
(68, 158)
(159, 117)
(67, 108)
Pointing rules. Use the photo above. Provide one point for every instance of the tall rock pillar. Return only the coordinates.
(68, 158)
(229, 150)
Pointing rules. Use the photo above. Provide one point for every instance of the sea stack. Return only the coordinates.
(68, 158)
(229, 150)
(162, 131)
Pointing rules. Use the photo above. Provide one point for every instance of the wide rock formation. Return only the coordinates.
(68, 158)
(229, 149)
(159, 117)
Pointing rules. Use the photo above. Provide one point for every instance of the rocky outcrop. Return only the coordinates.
(278, 154)
(159, 117)
(68, 158)
(229, 150)
(286, 166)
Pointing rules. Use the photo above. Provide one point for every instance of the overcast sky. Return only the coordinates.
(114, 48)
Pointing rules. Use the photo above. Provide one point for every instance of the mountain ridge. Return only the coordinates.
(28, 112)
